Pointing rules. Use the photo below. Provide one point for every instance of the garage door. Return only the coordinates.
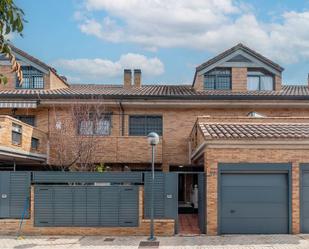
(254, 203)
(305, 202)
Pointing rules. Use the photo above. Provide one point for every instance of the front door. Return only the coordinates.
(4, 194)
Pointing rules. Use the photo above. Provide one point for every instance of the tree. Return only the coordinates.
(11, 21)
(73, 137)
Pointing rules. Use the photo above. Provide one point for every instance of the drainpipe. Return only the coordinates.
(122, 117)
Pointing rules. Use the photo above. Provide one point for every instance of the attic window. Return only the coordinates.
(218, 79)
(32, 78)
(259, 80)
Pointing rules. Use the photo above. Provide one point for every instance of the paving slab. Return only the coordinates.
(175, 242)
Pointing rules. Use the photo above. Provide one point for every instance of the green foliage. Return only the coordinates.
(11, 22)
(101, 168)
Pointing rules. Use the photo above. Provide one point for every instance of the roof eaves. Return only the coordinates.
(235, 48)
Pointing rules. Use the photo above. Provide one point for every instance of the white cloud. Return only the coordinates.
(210, 25)
(101, 69)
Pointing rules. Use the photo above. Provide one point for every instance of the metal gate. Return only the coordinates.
(202, 202)
(86, 206)
(165, 195)
(14, 194)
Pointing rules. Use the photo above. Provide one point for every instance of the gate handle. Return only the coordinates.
(232, 211)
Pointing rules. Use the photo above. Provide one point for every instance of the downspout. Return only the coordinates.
(122, 117)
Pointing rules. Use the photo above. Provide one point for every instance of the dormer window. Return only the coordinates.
(32, 78)
(259, 80)
(218, 79)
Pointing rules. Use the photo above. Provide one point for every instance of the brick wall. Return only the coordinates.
(264, 154)
(162, 227)
(55, 82)
(6, 124)
(177, 126)
(199, 82)
(239, 79)
(11, 77)
(278, 83)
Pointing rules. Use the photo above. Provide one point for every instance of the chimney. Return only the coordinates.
(127, 78)
(137, 78)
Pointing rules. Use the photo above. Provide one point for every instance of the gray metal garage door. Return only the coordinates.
(305, 200)
(254, 203)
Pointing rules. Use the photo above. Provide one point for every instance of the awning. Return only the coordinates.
(19, 104)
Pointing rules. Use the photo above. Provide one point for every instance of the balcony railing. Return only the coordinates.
(21, 137)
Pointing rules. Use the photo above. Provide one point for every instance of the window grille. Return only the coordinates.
(218, 79)
(95, 125)
(32, 78)
(142, 125)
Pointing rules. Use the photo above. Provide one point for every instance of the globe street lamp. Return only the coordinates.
(153, 140)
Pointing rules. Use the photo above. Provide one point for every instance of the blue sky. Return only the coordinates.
(91, 41)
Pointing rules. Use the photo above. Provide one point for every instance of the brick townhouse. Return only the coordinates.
(237, 124)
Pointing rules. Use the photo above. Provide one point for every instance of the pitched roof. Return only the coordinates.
(37, 61)
(155, 92)
(242, 131)
(244, 48)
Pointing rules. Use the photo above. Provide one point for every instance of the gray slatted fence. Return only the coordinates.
(15, 194)
(86, 177)
(82, 206)
(165, 195)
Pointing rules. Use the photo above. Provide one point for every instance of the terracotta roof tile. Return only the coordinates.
(254, 130)
(159, 91)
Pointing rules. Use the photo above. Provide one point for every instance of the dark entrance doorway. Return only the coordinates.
(187, 186)
(190, 201)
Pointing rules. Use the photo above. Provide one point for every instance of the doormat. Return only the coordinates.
(149, 244)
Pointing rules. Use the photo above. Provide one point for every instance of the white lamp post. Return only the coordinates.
(153, 140)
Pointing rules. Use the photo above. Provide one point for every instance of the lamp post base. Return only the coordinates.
(152, 238)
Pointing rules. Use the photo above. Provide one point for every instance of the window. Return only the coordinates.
(34, 143)
(260, 81)
(16, 134)
(142, 125)
(218, 79)
(30, 120)
(32, 78)
(94, 125)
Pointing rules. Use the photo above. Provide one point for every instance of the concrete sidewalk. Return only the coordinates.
(198, 242)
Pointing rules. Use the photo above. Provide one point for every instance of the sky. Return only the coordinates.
(92, 41)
